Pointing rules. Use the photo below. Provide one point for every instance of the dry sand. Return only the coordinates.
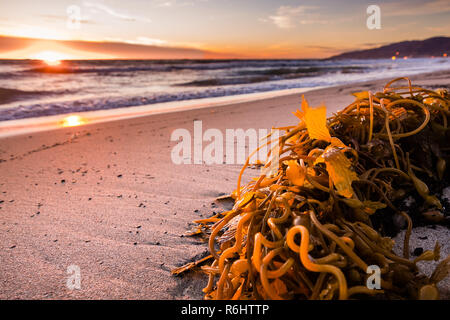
(107, 198)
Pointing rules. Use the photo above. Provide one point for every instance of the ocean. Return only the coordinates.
(33, 89)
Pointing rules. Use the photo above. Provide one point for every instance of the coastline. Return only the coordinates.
(106, 197)
(50, 122)
(77, 86)
(30, 125)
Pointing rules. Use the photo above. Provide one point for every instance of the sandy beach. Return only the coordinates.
(107, 197)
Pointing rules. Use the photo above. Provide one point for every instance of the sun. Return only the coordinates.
(51, 58)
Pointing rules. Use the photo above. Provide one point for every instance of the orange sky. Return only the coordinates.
(195, 29)
(26, 48)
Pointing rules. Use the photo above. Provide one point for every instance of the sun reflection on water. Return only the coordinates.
(73, 121)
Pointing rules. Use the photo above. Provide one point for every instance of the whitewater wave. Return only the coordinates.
(31, 89)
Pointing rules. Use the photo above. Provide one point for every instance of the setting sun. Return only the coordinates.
(52, 62)
(51, 58)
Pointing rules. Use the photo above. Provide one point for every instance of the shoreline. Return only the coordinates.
(51, 122)
(36, 124)
(106, 197)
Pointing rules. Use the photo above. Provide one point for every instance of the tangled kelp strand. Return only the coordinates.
(311, 229)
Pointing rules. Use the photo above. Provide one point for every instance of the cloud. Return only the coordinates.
(324, 48)
(114, 13)
(288, 17)
(16, 47)
(165, 4)
(370, 45)
(58, 18)
(150, 41)
(176, 3)
(140, 41)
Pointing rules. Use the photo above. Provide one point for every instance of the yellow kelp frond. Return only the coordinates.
(340, 170)
(295, 173)
(361, 95)
(369, 207)
(315, 119)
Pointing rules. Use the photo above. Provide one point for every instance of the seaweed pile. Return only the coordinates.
(309, 230)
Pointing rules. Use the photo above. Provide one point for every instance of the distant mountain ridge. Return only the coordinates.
(437, 47)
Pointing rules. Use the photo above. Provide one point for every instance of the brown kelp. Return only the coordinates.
(309, 229)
